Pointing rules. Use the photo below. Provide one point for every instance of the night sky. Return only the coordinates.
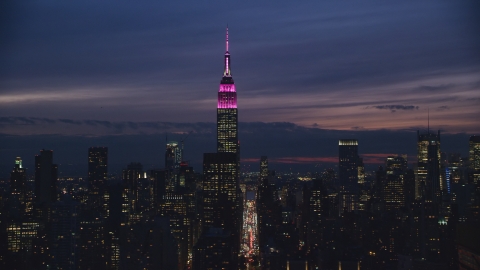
(124, 74)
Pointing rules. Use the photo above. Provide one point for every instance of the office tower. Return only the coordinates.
(348, 164)
(428, 188)
(18, 189)
(348, 174)
(97, 179)
(227, 118)
(474, 158)
(157, 178)
(393, 189)
(18, 178)
(130, 178)
(263, 167)
(219, 189)
(45, 177)
(173, 158)
(65, 233)
(428, 180)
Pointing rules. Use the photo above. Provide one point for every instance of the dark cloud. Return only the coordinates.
(70, 121)
(394, 108)
(436, 88)
(442, 108)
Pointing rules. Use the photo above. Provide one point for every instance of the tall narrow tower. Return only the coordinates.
(227, 118)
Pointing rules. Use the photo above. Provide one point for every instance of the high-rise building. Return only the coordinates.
(130, 181)
(219, 189)
(173, 156)
(474, 158)
(348, 171)
(45, 177)
(428, 179)
(227, 117)
(97, 168)
(18, 179)
(263, 167)
(18, 188)
(348, 164)
(97, 179)
(393, 188)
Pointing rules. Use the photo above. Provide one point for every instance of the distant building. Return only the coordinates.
(45, 177)
(428, 179)
(348, 164)
(130, 181)
(393, 189)
(18, 189)
(97, 179)
(348, 172)
(474, 158)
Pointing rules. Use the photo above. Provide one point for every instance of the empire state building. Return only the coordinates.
(227, 117)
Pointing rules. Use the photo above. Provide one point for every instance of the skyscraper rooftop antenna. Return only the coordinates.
(227, 40)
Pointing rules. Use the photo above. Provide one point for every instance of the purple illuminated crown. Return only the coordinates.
(227, 95)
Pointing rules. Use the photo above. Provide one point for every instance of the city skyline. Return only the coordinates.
(311, 72)
(129, 188)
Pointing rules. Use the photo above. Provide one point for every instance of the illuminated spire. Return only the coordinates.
(227, 40)
(227, 72)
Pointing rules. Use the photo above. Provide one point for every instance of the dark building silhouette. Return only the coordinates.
(173, 158)
(18, 189)
(45, 177)
(130, 179)
(65, 234)
(474, 159)
(348, 174)
(97, 179)
(219, 190)
(348, 164)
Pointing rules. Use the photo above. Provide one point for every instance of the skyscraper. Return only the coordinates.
(393, 188)
(348, 164)
(219, 189)
(222, 200)
(227, 118)
(97, 178)
(18, 179)
(45, 177)
(263, 167)
(428, 180)
(173, 156)
(348, 174)
(97, 168)
(474, 158)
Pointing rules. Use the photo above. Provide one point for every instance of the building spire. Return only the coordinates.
(227, 72)
(227, 40)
